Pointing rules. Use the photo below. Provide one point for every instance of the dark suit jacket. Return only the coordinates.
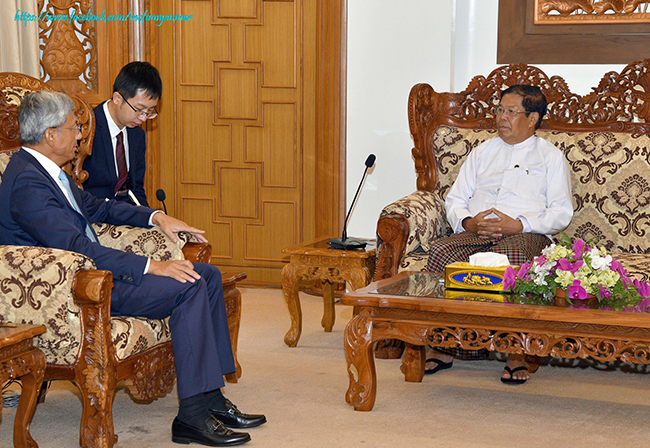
(35, 212)
(101, 163)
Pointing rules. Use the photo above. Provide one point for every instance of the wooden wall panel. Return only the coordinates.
(248, 143)
(197, 124)
(274, 145)
(238, 127)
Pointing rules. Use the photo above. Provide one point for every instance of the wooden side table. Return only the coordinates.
(314, 260)
(19, 359)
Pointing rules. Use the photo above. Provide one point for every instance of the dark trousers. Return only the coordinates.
(197, 319)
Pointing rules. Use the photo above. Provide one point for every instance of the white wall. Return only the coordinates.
(394, 44)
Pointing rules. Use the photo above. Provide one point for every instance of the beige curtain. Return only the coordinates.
(19, 39)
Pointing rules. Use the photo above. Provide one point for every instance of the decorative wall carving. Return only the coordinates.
(69, 59)
(601, 41)
(577, 12)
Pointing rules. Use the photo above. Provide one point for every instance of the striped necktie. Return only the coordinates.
(66, 184)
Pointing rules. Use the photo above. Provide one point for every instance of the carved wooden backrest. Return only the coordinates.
(620, 103)
(13, 88)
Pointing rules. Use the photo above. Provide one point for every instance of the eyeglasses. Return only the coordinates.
(509, 113)
(147, 114)
(76, 128)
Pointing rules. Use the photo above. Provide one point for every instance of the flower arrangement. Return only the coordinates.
(581, 269)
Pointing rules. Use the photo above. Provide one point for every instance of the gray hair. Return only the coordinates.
(41, 110)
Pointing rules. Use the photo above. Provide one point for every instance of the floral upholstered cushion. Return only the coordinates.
(610, 176)
(36, 287)
(132, 335)
(414, 262)
(147, 242)
(425, 213)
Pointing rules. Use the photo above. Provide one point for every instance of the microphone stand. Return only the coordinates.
(345, 243)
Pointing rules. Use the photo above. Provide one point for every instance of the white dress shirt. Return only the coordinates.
(529, 181)
(113, 130)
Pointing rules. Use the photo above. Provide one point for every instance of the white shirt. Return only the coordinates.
(113, 130)
(529, 181)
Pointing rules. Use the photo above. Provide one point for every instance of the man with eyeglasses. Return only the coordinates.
(42, 206)
(512, 193)
(116, 167)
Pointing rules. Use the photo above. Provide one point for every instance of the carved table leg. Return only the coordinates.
(31, 382)
(413, 363)
(290, 291)
(361, 364)
(329, 313)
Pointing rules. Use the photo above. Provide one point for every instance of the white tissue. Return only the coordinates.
(489, 259)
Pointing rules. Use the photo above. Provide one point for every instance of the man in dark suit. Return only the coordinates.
(117, 164)
(41, 206)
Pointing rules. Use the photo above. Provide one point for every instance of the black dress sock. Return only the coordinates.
(216, 400)
(194, 411)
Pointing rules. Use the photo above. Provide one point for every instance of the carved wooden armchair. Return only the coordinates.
(604, 136)
(65, 292)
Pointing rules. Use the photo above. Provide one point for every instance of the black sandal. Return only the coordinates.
(511, 380)
(441, 365)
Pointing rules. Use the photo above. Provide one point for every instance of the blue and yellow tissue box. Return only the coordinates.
(465, 276)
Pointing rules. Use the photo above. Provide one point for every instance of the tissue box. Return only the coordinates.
(465, 276)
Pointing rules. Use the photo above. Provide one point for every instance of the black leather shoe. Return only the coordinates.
(234, 418)
(214, 434)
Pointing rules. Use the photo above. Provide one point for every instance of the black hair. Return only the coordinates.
(533, 99)
(136, 76)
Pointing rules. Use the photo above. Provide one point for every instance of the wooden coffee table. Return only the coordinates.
(411, 307)
(19, 359)
(314, 260)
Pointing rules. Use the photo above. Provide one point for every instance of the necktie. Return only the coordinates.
(66, 185)
(120, 158)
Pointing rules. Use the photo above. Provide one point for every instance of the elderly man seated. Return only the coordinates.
(41, 206)
(511, 194)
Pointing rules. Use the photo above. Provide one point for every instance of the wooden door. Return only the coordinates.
(238, 153)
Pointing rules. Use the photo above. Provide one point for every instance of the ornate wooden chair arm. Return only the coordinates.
(408, 225)
(392, 233)
(197, 252)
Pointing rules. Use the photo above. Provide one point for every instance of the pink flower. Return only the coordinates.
(509, 280)
(566, 265)
(626, 281)
(643, 287)
(578, 247)
(618, 267)
(523, 270)
(604, 292)
(541, 259)
(576, 291)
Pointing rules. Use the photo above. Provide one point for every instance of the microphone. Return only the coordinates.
(161, 196)
(345, 243)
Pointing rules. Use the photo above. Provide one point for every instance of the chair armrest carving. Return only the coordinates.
(407, 225)
(197, 252)
(392, 233)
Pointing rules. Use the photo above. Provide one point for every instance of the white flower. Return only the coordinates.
(600, 263)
